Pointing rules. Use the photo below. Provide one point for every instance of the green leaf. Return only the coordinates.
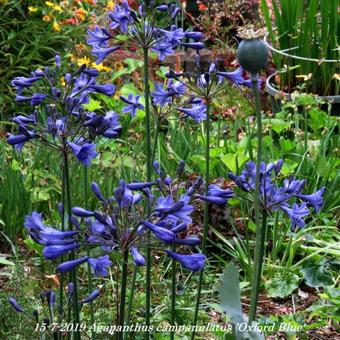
(229, 292)
(286, 145)
(323, 166)
(288, 167)
(133, 64)
(199, 161)
(93, 105)
(15, 165)
(230, 297)
(34, 246)
(40, 195)
(318, 119)
(278, 125)
(251, 225)
(282, 285)
(234, 161)
(162, 71)
(317, 274)
(129, 88)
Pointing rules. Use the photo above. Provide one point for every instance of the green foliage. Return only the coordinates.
(26, 42)
(282, 285)
(317, 274)
(328, 308)
(230, 297)
(308, 31)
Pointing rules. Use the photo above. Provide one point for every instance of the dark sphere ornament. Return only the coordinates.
(252, 54)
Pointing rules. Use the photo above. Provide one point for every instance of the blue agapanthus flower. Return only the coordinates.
(60, 120)
(197, 111)
(141, 28)
(84, 151)
(163, 95)
(122, 223)
(216, 195)
(99, 265)
(287, 197)
(133, 104)
(237, 77)
(205, 85)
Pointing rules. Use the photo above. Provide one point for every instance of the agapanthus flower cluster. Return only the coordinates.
(143, 29)
(49, 300)
(289, 197)
(203, 84)
(206, 86)
(122, 223)
(59, 119)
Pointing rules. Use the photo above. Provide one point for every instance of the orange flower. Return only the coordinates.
(202, 7)
(47, 18)
(80, 14)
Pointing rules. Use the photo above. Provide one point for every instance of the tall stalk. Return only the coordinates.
(173, 295)
(73, 274)
(260, 228)
(123, 293)
(206, 211)
(148, 175)
(89, 273)
(62, 278)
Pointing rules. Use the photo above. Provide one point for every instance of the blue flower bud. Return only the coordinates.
(138, 258)
(91, 297)
(78, 211)
(13, 302)
(70, 265)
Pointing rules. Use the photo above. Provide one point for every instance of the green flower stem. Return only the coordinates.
(206, 212)
(260, 229)
(73, 274)
(89, 273)
(122, 301)
(61, 288)
(148, 174)
(147, 115)
(173, 295)
(132, 290)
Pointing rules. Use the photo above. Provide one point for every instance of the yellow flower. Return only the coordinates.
(56, 26)
(32, 9)
(49, 4)
(63, 82)
(47, 17)
(87, 61)
(101, 67)
(72, 57)
(336, 76)
(110, 5)
(57, 8)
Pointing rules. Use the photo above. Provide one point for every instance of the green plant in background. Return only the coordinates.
(26, 40)
(303, 133)
(304, 35)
